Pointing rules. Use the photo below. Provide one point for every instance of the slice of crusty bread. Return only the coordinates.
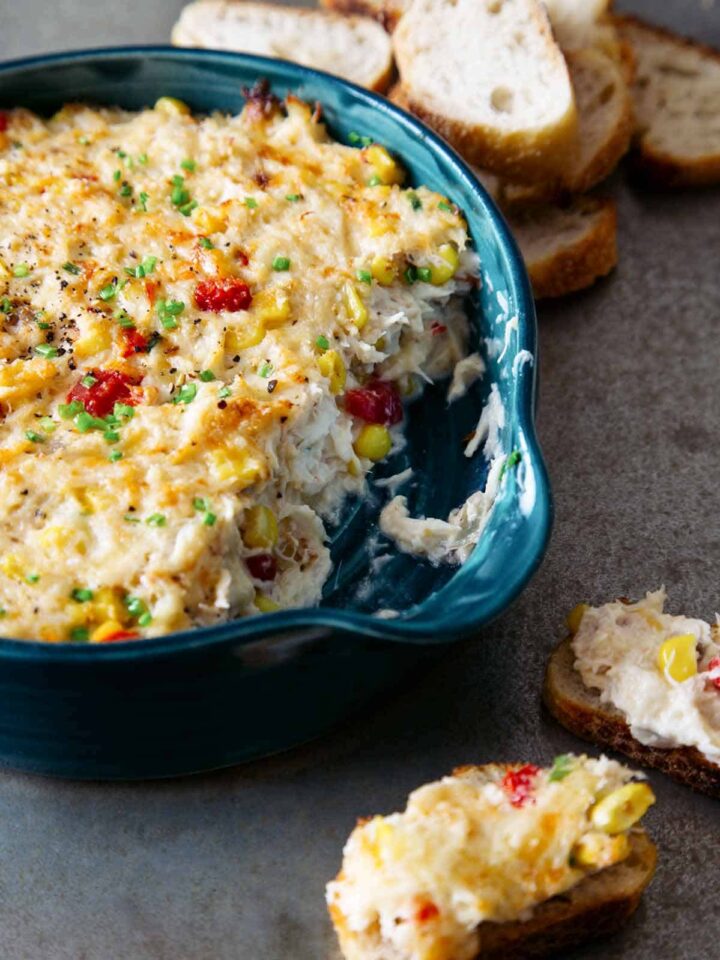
(606, 126)
(566, 248)
(598, 906)
(356, 48)
(580, 710)
(488, 75)
(386, 12)
(676, 95)
(580, 24)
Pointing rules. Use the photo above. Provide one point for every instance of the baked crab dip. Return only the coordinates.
(208, 326)
(475, 856)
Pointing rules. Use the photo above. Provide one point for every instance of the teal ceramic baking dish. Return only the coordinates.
(212, 697)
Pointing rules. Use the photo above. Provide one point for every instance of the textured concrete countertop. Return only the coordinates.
(232, 866)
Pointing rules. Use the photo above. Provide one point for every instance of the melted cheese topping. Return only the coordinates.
(616, 649)
(110, 222)
(468, 849)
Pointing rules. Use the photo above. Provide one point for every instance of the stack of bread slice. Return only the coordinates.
(543, 98)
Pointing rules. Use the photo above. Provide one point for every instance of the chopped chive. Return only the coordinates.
(116, 175)
(114, 456)
(156, 520)
(124, 319)
(130, 518)
(5, 305)
(179, 196)
(414, 200)
(34, 437)
(445, 206)
(281, 263)
(83, 141)
(265, 370)
(32, 577)
(81, 594)
(144, 197)
(126, 190)
(360, 138)
(68, 410)
(188, 165)
(424, 274)
(148, 265)
(188, 208)
(136, 607)
(167, 311)
(209, 519)
(48, 424)
(71, 267)
(293, 197)
(207, 244)
(21, 270)
(109, 291)
(43, 324)
(364, 276)
(124, 410)
(121, 154)
(224, 392)
(145, 619)
(206, 376)
(374, 181)
(112, 436)
(410, 273)
(46, 350)
(177, 180)
(201, 503)
(84, 421)
(186, 393)
(88, 380)
(322, 342)
(251, 202)
(142, 159)
(79, 635)
(562, 766)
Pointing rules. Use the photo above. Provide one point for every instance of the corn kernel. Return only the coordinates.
(11, 566)
(622, 808)
(677, 657)
(330, 364)
(208, 219)
(373, 442)
(357, 311)
(383, 165)
(243, 337)
(172, 107)
(105, 630)
(574, 618)
(383, 270)
(265, 604)
(380, 226)
(273, 308)
(238, 466)
(260, 530)
(106, 605)
(445, 270)
(600, 850)
(94, 340)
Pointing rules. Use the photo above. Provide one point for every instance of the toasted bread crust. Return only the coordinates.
(580, 710)
(598, 906)
(655, 168)
(579, 264)
(384, 11)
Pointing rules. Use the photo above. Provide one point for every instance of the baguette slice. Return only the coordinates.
(606, 126)
(489, 77)
(580, 710)
(580, 24)
(676, 95)
(356, 48)
(566, 248)
(596, 907)
(386, 12)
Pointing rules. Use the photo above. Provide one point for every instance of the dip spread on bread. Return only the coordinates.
(661, 671)
(485, 844)
(207, 324)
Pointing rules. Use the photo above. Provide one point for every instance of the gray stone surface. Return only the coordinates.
(232, 866)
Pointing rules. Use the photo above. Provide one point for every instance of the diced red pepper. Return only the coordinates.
(121, 635)
(713, 665)
(262, 566)
(426, 911)
(110, 387)
(135, 342)
(437, 328)
(518, 784)
(242, 257)
(151, 289)
(376, 402)
(228, 294)
(4, 121)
